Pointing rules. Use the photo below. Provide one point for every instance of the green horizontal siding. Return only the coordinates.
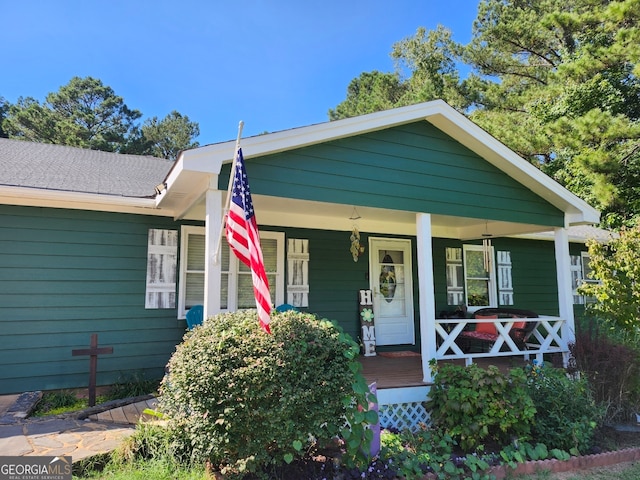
(335, 279)
(533, 273)
(65, 274)
(413, 167)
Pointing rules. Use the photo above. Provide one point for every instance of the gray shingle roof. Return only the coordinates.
(58, 167)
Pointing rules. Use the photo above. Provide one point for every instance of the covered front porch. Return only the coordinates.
(403, 378)
(404, 369)
(407, 368)
(423, 186)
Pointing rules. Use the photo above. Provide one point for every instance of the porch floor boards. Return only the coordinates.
(406, 371)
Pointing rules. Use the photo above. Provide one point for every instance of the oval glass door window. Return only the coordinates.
(388, 280)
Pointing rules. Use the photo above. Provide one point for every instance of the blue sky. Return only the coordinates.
(274, 64)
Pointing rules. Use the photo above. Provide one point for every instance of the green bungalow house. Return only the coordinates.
(123, 246)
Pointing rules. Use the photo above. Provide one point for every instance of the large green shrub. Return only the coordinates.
(476, 405)
(243, 400)
(567, 415)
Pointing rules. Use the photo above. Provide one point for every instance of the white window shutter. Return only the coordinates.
(162, 255)
(455, 276)
(576, 278)
(505, 284)
(298, 272)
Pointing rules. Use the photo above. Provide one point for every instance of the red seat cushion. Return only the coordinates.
(520, 325)
(486, 327)
(476, 335)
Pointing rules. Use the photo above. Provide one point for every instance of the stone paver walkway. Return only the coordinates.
(74, 436)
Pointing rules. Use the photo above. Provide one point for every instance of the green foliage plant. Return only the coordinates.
(430, 450)
(246, 401)
(616, 268)
(133, 384)
(568, 415)
(57, 402)
(476, 405)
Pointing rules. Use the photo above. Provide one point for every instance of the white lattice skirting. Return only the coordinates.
(403, 416)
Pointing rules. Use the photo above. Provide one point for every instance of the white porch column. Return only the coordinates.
(565, 294)
(213, 224)
(426, 293)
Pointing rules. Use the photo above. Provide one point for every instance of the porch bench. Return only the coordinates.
(485, 334)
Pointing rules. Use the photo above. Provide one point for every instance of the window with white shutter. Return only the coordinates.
(236, 290)
(468, 283)
(162, 254)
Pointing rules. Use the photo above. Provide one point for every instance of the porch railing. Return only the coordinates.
(546, 338)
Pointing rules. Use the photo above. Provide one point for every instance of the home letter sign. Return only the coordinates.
(365, 309)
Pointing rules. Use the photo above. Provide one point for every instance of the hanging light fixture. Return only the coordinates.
(486, 247)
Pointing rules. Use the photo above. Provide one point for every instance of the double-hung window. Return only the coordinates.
(470, 284)
(480, 284)
(236, 287)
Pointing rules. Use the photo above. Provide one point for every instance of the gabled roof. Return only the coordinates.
(69, 169)
(181, 196)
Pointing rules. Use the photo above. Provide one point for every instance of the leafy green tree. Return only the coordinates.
(86, 113)
(425, 70)
(615, 265)
(370, 92)
(4, 110)
(167, 137)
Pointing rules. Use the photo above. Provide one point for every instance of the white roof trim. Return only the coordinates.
(210, 158)
(26, 196)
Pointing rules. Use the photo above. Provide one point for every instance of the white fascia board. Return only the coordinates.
(211, 157)
(36, 197)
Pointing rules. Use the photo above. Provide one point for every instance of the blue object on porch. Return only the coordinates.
(195, 315)
(285, 307)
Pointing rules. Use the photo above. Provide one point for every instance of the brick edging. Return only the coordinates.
(574, 463)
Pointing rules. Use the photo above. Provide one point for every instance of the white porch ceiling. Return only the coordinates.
(282, 212)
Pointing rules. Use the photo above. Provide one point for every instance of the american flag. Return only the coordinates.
(244, 239)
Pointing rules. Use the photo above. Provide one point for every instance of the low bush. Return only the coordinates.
(476, 405)
(430, 450)
(567, 415)
(246, 401)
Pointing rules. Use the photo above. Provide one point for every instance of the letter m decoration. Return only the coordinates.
(365, 311)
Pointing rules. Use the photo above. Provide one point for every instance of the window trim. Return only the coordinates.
(493, 285)
(232, 300)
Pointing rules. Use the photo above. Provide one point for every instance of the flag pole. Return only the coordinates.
(216, 253)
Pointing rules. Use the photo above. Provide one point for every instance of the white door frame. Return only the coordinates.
(379, 243)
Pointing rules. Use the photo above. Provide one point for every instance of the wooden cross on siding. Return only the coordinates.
(93, 351)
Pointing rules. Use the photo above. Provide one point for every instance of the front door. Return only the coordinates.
(391, 282)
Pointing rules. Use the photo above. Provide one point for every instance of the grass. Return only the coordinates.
(144, 470)
(65, 401)
(62, 401)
